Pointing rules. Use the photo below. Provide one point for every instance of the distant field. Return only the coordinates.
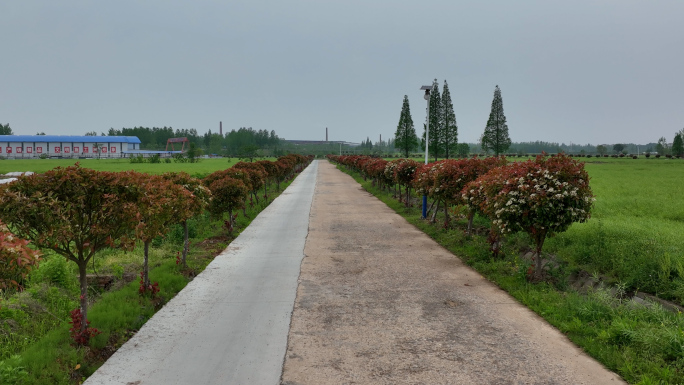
(636, 232)
(203, 167)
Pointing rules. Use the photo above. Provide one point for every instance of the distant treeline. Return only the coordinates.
(155, 138)
(554, 147)
(232, 143)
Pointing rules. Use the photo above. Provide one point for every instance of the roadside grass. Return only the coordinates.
(34, 325)
(198, 169)
(643, 344)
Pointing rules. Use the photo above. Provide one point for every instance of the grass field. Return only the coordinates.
(199, 169)
(636, 233)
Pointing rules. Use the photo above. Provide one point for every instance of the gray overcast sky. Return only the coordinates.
(570, 71)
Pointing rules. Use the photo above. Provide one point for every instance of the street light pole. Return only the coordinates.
(427, 139)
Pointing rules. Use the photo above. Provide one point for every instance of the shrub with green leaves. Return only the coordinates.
(53, 270)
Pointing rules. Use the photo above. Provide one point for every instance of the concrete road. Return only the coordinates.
(230, 324)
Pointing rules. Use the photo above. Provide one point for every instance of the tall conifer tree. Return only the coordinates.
(495, 137)
(678, 145)
(436, 122)
(405, 137)
(449, 136)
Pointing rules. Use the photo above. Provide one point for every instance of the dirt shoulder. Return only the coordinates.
(379, 302)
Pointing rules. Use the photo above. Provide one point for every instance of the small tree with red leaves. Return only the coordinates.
(270, 174)
(197, 202)
(160, 204)
(228, 195)
(403, 175)
(256, 174)
(73, 211)
(541, 197)
(17, 260)
(472, 169)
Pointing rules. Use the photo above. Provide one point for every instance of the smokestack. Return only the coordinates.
(380, 138)
(326, 134)
(221, 128)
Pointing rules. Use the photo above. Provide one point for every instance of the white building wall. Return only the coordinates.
(39, 148)
(18, 150)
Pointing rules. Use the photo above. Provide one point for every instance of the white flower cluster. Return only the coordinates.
(540, 200)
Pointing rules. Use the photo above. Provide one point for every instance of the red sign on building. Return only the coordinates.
(58, 150)
(67, 149)
(19, 149)
(112, 149)
(39, 150)
(76, 149)
(9, 150)
(85, 150)
(29, 150)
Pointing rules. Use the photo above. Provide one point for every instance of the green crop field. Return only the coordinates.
(200, 169)
(636, 232)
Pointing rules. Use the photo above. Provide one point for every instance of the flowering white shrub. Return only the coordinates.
(541, 197)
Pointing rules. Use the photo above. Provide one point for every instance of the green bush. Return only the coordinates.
(54, 270)
(11, 371)
(179, 158)
(136, 158)
(176, 235)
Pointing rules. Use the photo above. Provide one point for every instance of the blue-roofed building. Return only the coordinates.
(62, 146)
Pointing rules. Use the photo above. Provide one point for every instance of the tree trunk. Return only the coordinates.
(231, 225)
(83, 276)
(446, 214)
(494, 241)
(434, 215)
(471, 215)
(538, 273)
(186, 243)
(146, 275)
(432, 205)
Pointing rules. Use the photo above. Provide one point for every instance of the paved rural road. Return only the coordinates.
(378, 302)
(230, 324)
